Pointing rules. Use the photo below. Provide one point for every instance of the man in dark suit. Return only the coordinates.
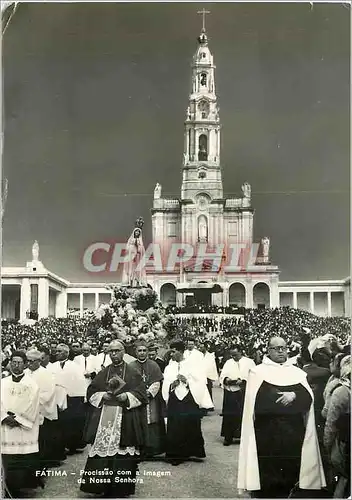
(153, 355)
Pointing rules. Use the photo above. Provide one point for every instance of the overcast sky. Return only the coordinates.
(95, 98)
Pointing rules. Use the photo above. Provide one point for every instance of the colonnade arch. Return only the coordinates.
(168, 294)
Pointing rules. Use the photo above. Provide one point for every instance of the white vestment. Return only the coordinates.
(107, 439)
(87, 365)
(60, 391)
(210, 369)
(293, 360)
(22, 399)
(311, 475)
(47, 396)
(70, 378)
(196, 381)
(234, 370)
(195, 355)
(103, 360)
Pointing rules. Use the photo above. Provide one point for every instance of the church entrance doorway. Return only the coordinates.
(202, 296)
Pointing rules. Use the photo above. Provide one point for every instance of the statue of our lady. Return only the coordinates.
(134, 274)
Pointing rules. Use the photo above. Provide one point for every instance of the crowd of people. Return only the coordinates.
(252, 329)
(205, 309)
(285, 376)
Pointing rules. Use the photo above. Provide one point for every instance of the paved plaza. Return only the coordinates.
(215, 477)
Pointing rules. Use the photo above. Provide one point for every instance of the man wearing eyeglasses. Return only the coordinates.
(279, 450)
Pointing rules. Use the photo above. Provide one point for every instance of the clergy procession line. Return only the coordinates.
(290, 416)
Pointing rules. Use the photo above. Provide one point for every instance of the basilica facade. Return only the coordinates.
(203, 240)
(203, 219)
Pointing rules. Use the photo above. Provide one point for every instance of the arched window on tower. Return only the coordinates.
(203, 148)
(203, 79)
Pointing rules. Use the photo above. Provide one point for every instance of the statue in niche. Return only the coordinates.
(203, 148)
(157, 191)
(35, 251)
(134, 273)
(246, 189)
(202, 229)
(266, 246)
(202, 154)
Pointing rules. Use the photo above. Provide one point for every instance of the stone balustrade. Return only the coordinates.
(234, 203)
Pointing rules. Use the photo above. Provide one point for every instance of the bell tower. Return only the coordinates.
(201, 158)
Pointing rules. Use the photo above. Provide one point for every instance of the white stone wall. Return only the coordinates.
(9, 297)
(52, 302)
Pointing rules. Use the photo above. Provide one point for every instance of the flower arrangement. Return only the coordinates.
(136, 313)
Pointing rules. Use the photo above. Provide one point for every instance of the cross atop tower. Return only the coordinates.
(204, 13)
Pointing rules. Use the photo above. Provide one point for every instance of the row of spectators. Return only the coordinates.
(252, 330)
(208, 309)
(256, 326)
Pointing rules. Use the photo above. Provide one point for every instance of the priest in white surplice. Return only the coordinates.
(185, 393)
(19, 427)
(48, 414)
(87, 364)
(69, 377)
(210, 369)
(57, 445)
(233, 378)
(192, 352)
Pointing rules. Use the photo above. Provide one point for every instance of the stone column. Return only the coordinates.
(43, 298)
(81, 304)
(311, 302)
(25, 300)
(274, 295)
(226, 297)
(329, 303)
(249, 296)
(179, 299)
(96, 300)
(347, 300)
(294, 302)
(61, 304)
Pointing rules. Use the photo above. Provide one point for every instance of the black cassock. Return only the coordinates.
(184, 432)
(232, 410)
(279, 433)
(120, 480)
(151, 373)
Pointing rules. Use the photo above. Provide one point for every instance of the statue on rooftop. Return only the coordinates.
(35, 251)
(266, 246)
(246, 189)
(157, 191)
